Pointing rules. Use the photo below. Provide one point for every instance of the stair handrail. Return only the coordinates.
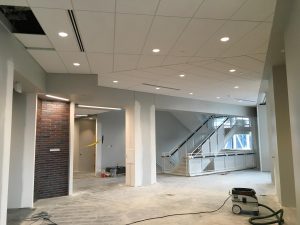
(177, 147)
(207, 138)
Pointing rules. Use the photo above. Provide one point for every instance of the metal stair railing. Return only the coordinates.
(196, 152)
(172, 158)
(177, 147)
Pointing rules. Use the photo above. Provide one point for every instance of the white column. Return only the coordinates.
(29, 152)
(292, 53)
(284, 142)
(140, 141)
(264, 151)
(6, 90)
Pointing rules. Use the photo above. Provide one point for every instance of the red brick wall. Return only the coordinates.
(52, 168)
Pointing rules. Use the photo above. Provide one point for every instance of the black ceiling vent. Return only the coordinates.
(21, 19)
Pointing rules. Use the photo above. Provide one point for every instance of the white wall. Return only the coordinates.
(292, 52)
(112, 151)
(21, 174)
(13, 56)
(6, 90)
(169, 133)
(17, 150)
(264, 150)
(190, 120)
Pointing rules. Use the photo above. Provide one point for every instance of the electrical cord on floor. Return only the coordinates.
(44, 216)
(181, 214)
(279, 217)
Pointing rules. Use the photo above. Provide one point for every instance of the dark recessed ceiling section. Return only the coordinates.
(22, 19)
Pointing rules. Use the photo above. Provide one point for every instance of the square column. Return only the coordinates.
(6, 95)
(140, 141)
(283, 142)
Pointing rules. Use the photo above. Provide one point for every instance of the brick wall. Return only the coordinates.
(52, 168)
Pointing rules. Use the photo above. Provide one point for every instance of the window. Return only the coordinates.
(240, 142)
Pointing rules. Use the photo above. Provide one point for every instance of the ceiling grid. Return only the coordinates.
(118, 37)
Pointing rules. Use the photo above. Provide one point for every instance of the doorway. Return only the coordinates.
(85, 145)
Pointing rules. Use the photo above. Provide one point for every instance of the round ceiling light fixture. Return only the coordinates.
(63, 34)
(224, 39)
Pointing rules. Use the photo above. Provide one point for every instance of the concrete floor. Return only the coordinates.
(107, 201)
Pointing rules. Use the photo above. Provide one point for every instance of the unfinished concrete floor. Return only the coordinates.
(107, 201)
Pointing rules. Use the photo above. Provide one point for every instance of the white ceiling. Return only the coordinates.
(119, 35)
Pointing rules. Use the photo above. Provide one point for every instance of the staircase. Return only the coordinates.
(203, 152)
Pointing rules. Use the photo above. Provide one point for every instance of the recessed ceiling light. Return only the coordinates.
(224, 39)
(182, 75)
(232, 70)
(191, 93)
(76, 64)
(81, 115)
(236, 87)
(115, 81)
(58, 98)
(155, 50)
(63, 34)
(97, 107)
(218, 97)
(157, 88)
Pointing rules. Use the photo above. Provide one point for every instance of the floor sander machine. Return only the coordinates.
(244, 200)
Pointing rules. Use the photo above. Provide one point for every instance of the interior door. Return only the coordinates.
(87, 136)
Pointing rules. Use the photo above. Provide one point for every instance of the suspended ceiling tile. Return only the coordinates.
(94, 5)
(131, 32)
(125, 62)
(54, 4)
(170, 60)
(97, 31)
(200, 60)
(123, 78)
(178, 8)
(34, 40)
(100, 63)
(150, 61)
(75, 57)
(259, 56)
(255, 10)
(263, 48)
(246, 63)
(162, 72)
(146, 76)
(218, 9)
(235, 30)
(250, 42)
(270, 18)
(14, 2)
(49, 60)
(147, 7)
(164, 33)
(54, 21)
(195, 35)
